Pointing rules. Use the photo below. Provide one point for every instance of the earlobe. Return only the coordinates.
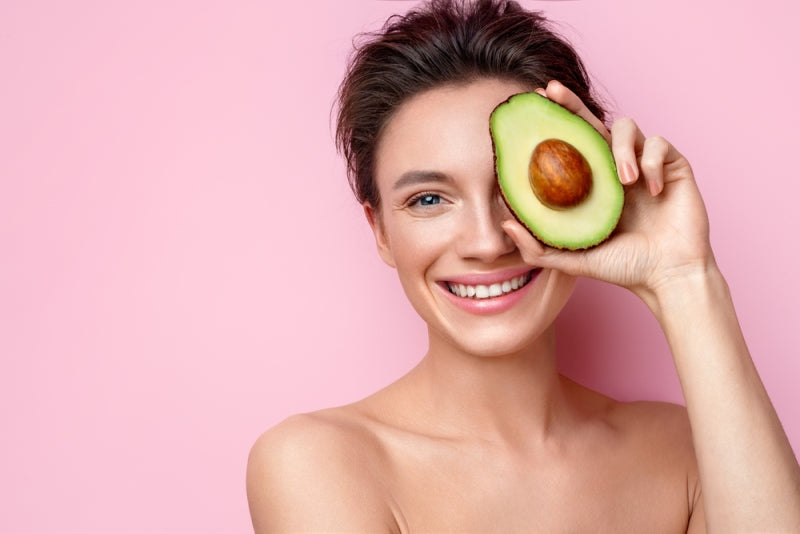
(374, 220)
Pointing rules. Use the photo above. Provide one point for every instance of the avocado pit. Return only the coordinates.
(559, 174)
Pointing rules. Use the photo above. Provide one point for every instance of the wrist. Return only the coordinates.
(686, 289)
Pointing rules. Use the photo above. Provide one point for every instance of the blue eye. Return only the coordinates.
(428, 200)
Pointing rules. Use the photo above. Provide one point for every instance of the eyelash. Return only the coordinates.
(415, 200)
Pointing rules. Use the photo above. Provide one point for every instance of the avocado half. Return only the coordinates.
(593, 206)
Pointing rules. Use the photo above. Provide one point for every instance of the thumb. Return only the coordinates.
(536, 254)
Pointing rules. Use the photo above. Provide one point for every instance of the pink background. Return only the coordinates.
(183, 265)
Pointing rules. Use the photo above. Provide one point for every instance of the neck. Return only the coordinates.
(507, 398)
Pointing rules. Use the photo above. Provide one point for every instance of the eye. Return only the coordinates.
(425, 199)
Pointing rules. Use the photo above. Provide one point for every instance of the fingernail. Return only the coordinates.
(628, 176)
(654, 187)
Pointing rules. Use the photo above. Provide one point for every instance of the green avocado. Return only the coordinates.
(556, 172)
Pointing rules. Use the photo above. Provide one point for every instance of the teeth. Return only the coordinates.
(494, 290)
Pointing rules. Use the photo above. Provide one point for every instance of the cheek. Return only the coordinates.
(416, 251)
(566, 284)
(409, 235)
(417, 245)
(561, 288)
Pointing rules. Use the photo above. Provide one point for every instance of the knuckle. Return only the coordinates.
(650, 163)
(623, 124)
(657, 143)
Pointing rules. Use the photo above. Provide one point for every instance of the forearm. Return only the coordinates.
(749, 474)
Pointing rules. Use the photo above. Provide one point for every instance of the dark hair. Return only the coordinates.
(444, 42)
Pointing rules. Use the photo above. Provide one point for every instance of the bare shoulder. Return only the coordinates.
(660, 425)
(652, 425)
(317, 472)
(661, 436)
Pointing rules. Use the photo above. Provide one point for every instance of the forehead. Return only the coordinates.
(442, 129)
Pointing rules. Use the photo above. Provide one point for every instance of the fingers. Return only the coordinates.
(637, 155)
(626, 140)
(560, 94)
(651, 163)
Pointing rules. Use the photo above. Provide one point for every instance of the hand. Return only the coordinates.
(663, 231)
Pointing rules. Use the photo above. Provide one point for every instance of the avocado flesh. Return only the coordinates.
(517, 127)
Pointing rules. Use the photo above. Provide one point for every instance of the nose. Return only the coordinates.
(481, 236)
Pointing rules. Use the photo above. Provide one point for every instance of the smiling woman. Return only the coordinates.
(458, 240)
(484, 434)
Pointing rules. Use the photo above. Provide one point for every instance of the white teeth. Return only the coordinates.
(494, 290)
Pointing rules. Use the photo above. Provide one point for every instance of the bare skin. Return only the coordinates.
(484, 435)
(368, 467)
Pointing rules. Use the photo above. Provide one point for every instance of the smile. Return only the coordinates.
(481, 291)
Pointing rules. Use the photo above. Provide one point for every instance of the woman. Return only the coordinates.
(484, 434)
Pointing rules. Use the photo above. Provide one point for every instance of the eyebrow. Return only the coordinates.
(418, 177)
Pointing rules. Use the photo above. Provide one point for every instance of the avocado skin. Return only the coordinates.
(517, 126)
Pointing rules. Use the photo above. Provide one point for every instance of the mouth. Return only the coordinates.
(488, 291)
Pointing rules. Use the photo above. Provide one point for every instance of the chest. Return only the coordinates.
(599, 492)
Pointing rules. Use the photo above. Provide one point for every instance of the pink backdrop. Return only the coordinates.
(183, 265)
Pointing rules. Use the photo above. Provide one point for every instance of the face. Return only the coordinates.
(439, 225)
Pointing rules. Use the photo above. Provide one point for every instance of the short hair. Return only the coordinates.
(444, 42)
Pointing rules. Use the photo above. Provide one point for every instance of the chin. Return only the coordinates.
(496, 342)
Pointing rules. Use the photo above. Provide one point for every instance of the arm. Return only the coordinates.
(750, 478)
(661, 252)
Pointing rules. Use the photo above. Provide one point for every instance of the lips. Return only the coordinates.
(489, 293)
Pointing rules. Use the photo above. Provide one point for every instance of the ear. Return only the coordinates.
(374, 220)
